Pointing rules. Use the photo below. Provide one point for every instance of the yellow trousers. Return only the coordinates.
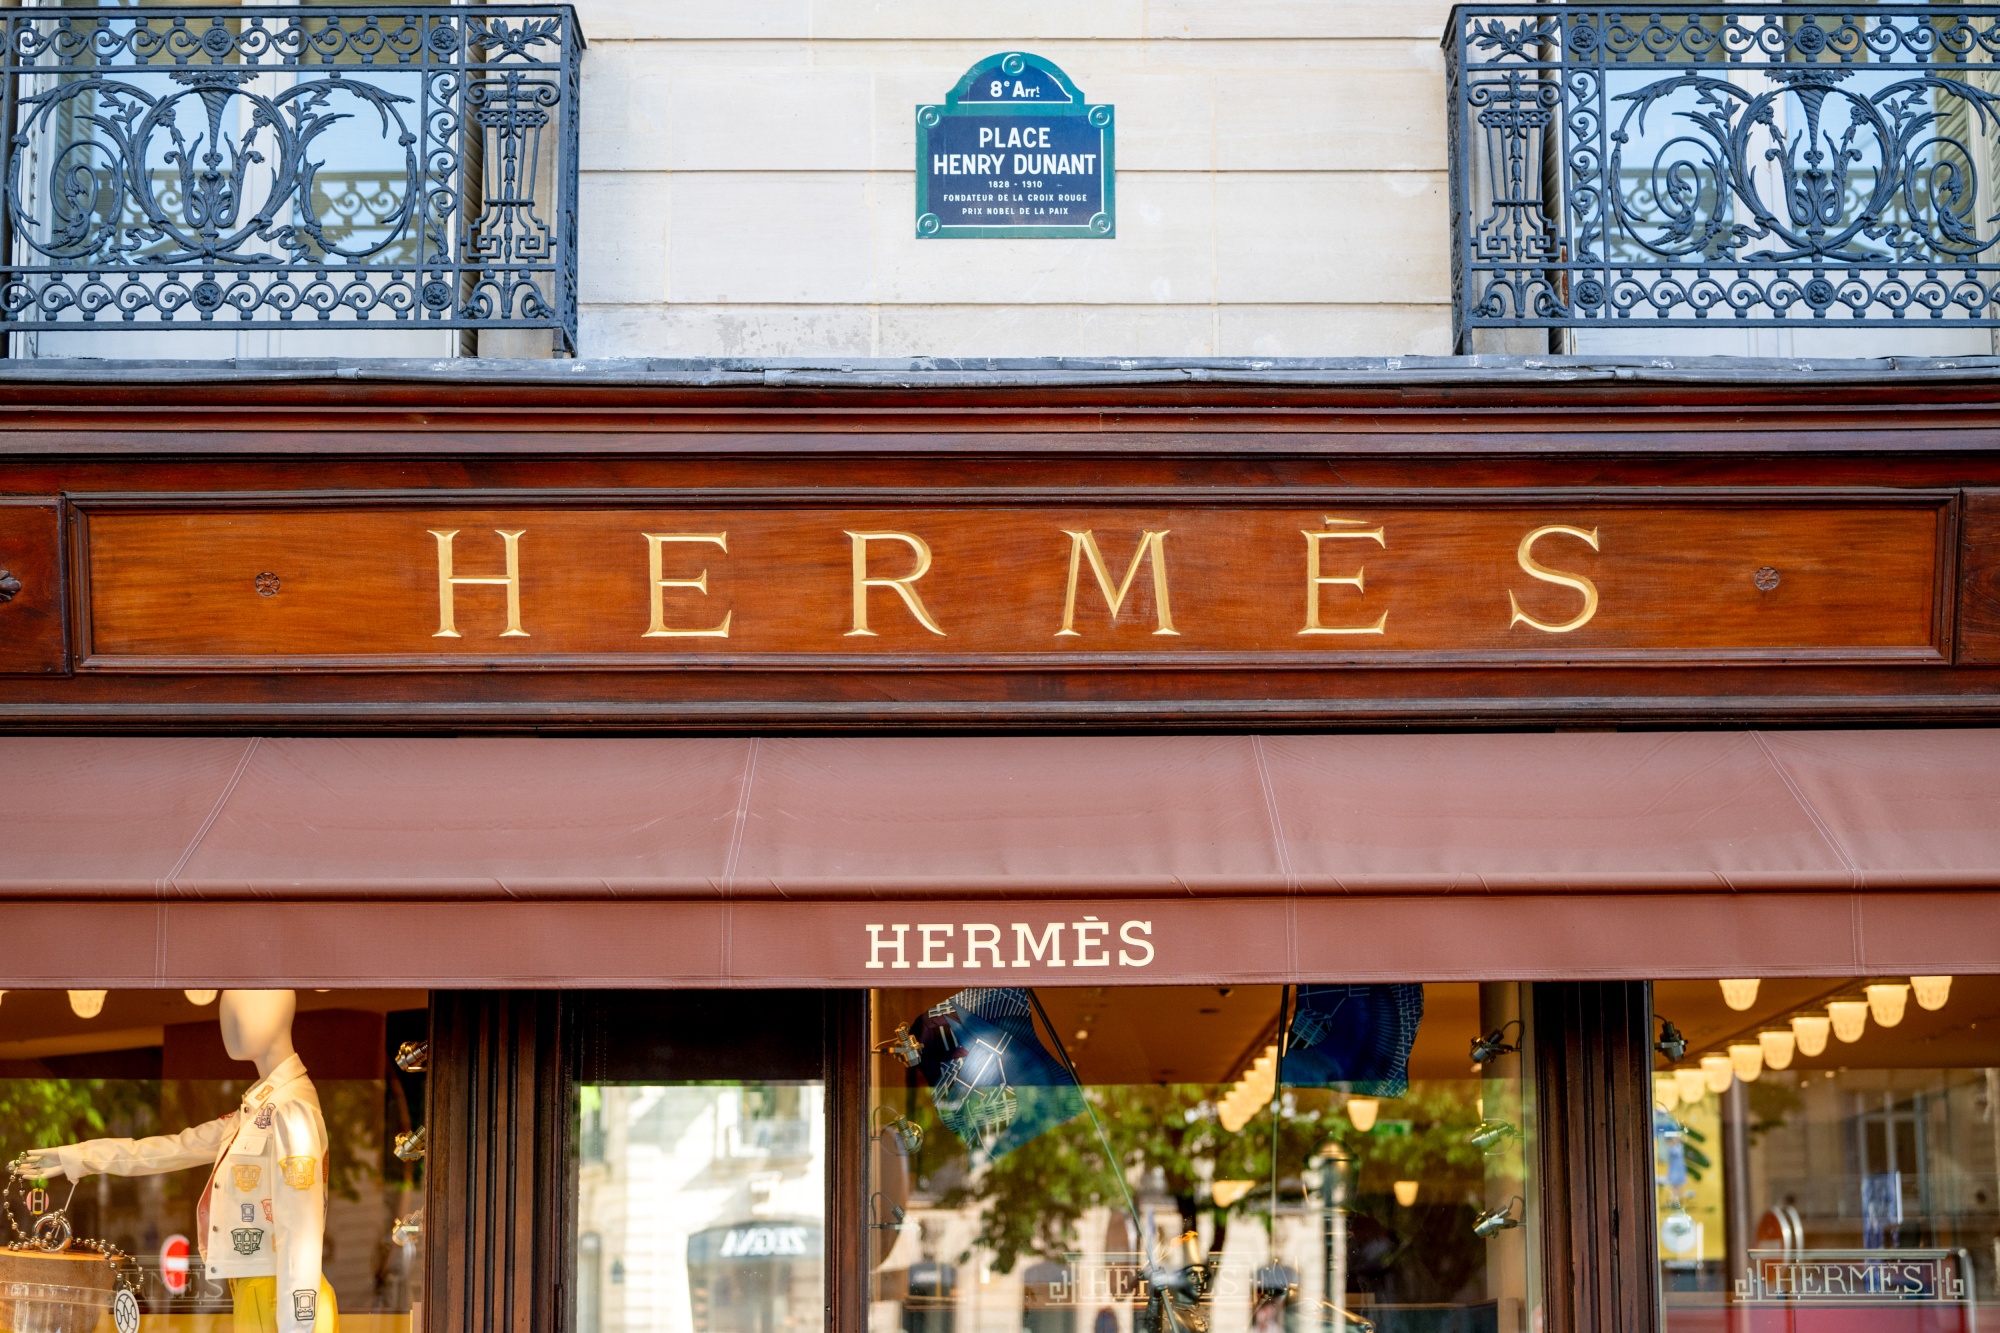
(256, 1306)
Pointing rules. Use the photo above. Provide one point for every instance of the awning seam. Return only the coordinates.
(1825, 830)
(737, 833)
(165, 884)
(739, 829)
(1272, 814)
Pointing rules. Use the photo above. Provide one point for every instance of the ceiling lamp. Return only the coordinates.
(1850, 1018)
(1693, 1085)
(1666, 1092)
(1406, 1192)
(1362, 1111)
(1746, 1060)
(1740, 993)
(1932, 992)
(1887, 1001)
(87, 1003)
(1718, 1071)
(1811, 1030)
(200, 997)
(1778, 1048)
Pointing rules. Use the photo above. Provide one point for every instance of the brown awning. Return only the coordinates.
(171, 861)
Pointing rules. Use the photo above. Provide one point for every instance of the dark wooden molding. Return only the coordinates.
(497, 1226)
(585, 397)
(1593, 1081)
(224, 446)
(1979, 585)
(32, 620)
(847, 1268)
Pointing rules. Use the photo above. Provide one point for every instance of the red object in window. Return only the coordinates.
(174, 1264)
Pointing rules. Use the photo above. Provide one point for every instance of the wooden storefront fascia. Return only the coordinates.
(237, 553)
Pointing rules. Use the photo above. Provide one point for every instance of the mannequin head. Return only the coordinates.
(257, 1026)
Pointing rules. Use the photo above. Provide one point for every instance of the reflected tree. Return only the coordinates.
(1167, 1140)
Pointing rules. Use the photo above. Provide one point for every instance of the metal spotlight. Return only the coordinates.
(1671, 1043)
(1496, 1220)
(1495, 1044)
(904, 1046)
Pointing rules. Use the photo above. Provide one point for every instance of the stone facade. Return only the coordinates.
(748, 181)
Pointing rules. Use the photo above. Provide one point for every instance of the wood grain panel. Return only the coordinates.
(500, 1176)
(1857, 578)
(1979, 580)
(31, 619)
(1593, 1063)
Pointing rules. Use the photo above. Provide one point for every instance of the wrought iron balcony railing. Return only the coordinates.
(315, 167)
(1782, 165)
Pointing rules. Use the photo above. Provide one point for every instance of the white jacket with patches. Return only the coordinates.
(263, 1213)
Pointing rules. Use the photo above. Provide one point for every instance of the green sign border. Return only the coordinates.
(1102, 227)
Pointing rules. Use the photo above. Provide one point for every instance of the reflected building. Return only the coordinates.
(702, 1207)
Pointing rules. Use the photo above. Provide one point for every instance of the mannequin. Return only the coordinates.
(262, 1218)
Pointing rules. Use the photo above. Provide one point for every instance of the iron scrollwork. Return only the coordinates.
(1786, 167)
(271, 167)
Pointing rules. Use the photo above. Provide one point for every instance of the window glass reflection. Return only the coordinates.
(709, 1199)
(1825, 1155)
(1239, 1159)
(701, 1162)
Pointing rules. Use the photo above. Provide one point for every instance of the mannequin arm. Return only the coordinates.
(299, 1213)
(199, 1146)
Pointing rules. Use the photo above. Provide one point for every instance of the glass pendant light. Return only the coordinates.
(1693, 1085)
(1777, 1048)
(1666, 1092)
(1932, 992)
(1406, 1192)
(1719, 1071)
(87, 1003)
(1746, 1059)
(1850, 1018)
(1812, 1031)
(1362, 1111)
(1227, 1192)
(200, 997)
(1740, 993)
(1250, 1093)
(1887, 1002)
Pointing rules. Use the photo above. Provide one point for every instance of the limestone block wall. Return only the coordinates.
(748, 181)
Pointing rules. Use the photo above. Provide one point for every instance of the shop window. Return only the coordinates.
(214, 1148)
(1827, 1155)
(1257, 1159)
(701, 1184)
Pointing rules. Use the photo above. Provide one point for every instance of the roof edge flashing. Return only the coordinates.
(878, 373)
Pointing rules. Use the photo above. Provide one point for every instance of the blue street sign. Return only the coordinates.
(1015, 151)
